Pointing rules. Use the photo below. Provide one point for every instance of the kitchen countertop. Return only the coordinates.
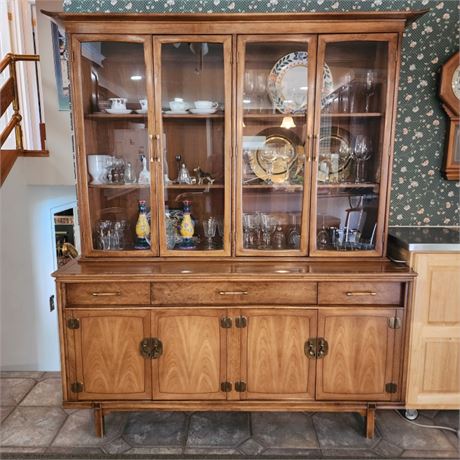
(441, 239)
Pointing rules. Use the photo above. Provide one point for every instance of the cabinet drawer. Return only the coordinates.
(107, 294)
(228, 293)
(360, 293)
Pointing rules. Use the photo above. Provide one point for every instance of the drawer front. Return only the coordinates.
(229, 293)
(356, 293)
(107, 293)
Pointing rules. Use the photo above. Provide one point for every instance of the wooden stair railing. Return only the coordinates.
(9, 95)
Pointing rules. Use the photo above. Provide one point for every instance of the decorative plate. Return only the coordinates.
(287, 83)
(276, 137)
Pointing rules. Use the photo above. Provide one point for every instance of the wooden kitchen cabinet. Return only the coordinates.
(233, 257)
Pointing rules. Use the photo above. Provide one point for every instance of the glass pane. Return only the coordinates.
(115, 106)
(275, 99)
(192, 99)
(350, 146)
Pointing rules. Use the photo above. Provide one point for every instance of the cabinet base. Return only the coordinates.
(366, 410)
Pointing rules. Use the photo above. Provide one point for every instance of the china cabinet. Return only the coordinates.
(233, 184)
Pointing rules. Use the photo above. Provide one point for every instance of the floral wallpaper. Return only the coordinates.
(420, 196)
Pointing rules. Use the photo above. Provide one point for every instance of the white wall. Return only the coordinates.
(33, 189)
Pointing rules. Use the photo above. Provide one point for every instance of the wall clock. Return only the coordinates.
(449, 92)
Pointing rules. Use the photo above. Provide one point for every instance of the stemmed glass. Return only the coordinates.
(266, 226)
(360, 153)
(269, 155)
(209, 228)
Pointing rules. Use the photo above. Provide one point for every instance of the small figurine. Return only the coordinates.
(184, 175)
(202, 176)
(144, 175)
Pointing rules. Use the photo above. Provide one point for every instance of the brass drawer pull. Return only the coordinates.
(233, 292)
(360, 293)
(106, 294)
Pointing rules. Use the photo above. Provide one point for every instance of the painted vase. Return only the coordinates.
(187, 227)
(142, 228)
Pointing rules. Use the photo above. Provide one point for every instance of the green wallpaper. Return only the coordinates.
(420, 196)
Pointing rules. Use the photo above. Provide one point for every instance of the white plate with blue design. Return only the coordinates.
(287, 83)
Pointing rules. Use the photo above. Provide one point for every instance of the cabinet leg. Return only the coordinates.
(370, 421)
(99, 421)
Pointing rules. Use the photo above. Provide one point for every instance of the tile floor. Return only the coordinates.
(34, 424)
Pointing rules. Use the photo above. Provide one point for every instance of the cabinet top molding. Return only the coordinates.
(328, 21)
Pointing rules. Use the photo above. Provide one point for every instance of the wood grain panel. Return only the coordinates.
(434, 347)
(444, 295)
(109, 363)
(360, 358)
(355, 293)
(194, 348)
(107, 293)
(439, 356)
(229, 293)
(274, 365)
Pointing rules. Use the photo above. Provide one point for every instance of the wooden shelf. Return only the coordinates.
(349, 185)
(118, 116)
(274, 187)
(276, 116)
(351, 115)
(193, 186)
(192, 115)
(119, 186)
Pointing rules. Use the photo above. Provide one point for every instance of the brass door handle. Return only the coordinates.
(233, 292)
(323, 348)
(106, 294)
(151, 348)
(310, 348)
(360, 293)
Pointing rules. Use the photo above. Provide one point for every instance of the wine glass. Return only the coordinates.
(268, 155)
(361, 152)
(209, 228)
(369, 89)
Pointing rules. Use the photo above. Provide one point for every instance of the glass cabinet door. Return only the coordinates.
(113, 86)
(193, 96)
(275, 101)
(352, 143)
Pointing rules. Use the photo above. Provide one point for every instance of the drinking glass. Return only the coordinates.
(361, 152)
(267, 225)
(269, 155)
(209, 228)
(369, 89)
(260, 89)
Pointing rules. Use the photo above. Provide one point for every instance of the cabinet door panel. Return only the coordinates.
(108, 360)
(360, 358)
(192, 365)
(274, 364)
(434, 353)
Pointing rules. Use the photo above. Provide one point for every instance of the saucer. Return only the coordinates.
(175, 112)
(141, 112)
(203, 111)
(118, 112)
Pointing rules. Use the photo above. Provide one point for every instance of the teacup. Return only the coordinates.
(118, 103)
(178, 105)
(206, 105)
(144, 104)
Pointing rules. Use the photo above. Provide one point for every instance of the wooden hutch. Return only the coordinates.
(280, 298)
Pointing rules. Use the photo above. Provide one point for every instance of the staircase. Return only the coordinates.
(9, 96)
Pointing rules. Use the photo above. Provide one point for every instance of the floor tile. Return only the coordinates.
(339, 430)
(348, 453)
(12, 390)
(408, 436)
(302, 453)
(386, 449)
(154, 451)
(78, 430)
(65, 451)
(218, 429)
(5, 411)
(284, 430)
(449, 418)
(51, 375)
(31, 426)
(429, 454)
(22, 450)
(210, 451)
(251, 447)
(166, 429)
(116, 447)
(45, 393)
(21, 374)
